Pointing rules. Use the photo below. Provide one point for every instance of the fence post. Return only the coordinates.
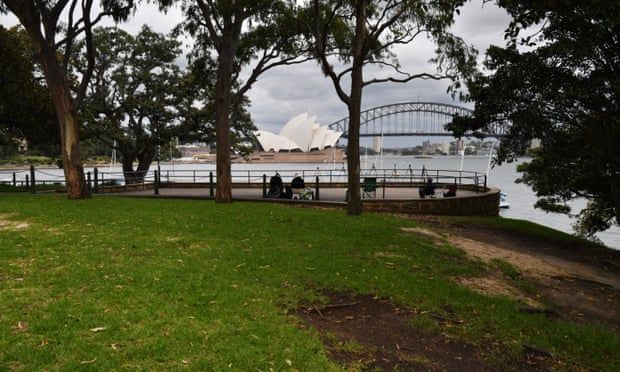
(485, 182)
(32, 180)
(96, 173)
(249, 180)
(264, 185)
(316, 194)
(210, 183)
(156, 183)
(27, 182)
(384, 185)
(330, 176)
(194, 174)
(168, 176)
(14, 180)
(88, 181)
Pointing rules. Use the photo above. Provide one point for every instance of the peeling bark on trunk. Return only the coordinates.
(223, 192)
(69, 128)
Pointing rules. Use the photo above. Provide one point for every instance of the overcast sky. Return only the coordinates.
(285, 92)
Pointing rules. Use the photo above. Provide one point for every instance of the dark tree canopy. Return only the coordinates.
(564, 90)
(133, 98)
(26, 109)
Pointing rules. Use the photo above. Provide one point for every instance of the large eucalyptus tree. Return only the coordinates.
(257, 35)
(348, 36)
(54, 26)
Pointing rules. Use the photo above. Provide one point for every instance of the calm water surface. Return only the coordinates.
(520, 197)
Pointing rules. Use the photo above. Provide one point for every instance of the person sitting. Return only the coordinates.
(297, 182)
(298, 185)
(428, 189)
(451, 191)
(275, 186)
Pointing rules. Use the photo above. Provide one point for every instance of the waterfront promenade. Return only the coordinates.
(402, 200)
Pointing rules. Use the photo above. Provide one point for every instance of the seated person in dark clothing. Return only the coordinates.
(275, 186)
(297, 182)
(429, 188)
(287, 194)
(451, 191)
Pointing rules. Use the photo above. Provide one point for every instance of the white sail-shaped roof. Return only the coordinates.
(274, 142)
(318, 138)
(299, 133)
(288, 130)
(331, 138)
(299, 129)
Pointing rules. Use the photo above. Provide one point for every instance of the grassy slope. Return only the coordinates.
(184, 282)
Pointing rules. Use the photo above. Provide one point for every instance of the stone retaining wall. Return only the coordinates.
(482, 204)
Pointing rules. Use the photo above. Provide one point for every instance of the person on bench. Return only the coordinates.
(275, 186)
(428, 189)
(451, 191)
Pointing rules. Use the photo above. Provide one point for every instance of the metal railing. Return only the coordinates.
(394, 177)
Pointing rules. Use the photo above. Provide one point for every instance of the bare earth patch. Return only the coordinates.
(575, 283)
(7, 224)
(365, 332)
(495, 286)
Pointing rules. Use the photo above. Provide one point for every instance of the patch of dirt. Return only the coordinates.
(495, 286)
(7, 224)
(579, 283)
(384, 339)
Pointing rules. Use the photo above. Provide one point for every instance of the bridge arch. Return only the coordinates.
(408, 119)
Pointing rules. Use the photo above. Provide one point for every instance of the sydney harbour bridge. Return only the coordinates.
(411, 119)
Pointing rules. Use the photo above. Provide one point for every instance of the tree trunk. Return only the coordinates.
(69, 128)
(144, 163)
(128, 173)
(354, 204)
(223, 192)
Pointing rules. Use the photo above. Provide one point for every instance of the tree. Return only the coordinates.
(362, 33)
(197, 108)
(563, 89)
(133, 98)
(26, 109)
(42, 21)
(242, 32)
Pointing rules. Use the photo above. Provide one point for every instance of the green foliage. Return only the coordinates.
(563, 90)
(26, 110)
(185, 284)
(133, 98)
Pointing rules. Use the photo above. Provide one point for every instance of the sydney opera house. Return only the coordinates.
(300, 140)
(301, 133)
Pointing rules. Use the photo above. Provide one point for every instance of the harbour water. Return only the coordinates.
(520, 196)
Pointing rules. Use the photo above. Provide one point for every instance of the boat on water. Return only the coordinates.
(503, 202)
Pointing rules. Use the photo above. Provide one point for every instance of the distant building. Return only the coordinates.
(300, 134)
(376, 144)
(190, 150)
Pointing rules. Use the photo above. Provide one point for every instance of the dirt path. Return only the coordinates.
(572, 281)
(365, 332)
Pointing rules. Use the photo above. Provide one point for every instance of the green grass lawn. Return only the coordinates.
(111, 283)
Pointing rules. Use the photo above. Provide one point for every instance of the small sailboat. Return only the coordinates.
(503, 202)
